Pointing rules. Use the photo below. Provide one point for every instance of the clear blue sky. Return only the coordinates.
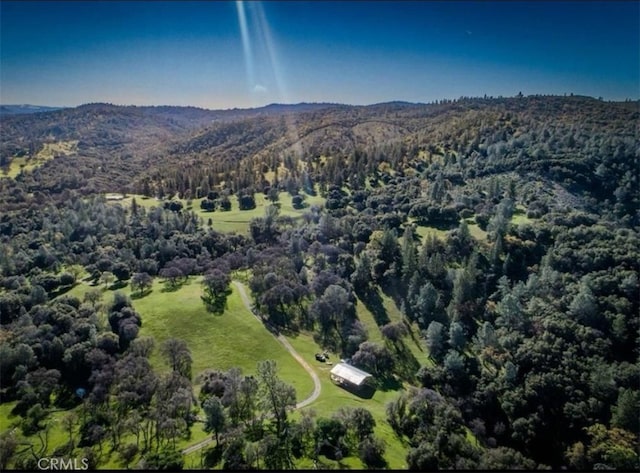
(217, 54)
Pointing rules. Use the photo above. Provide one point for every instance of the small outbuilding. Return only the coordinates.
(349, 376)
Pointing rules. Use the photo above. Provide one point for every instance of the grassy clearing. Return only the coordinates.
(423, 231)
(520, 216)
(412, 340)
(392, 309)
(366, 317)
(476, 232)
(48, 152)
(141, 201)
(233, 339)
(80, 289)
(7, 420)
(520, 219)
(474, 229)
(234, 220)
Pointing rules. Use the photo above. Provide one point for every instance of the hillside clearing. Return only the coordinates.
(49, 151)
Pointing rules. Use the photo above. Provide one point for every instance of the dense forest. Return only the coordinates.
(503, 231)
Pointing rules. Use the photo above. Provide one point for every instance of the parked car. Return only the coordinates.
(320, 357)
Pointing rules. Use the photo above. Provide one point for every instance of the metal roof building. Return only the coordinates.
(342, 373)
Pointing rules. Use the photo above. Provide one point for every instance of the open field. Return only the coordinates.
(477, 232)
(424, 231)
(7, 420)
(520, 216)
(238, 220)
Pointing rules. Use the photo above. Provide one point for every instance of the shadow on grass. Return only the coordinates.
(395, 291)
(212, 456)
(172, 287)
(286, 331)
(61, 290)
(406, 363)
(415, 339)
(373, 302)
(140, 295)
(118, 285)
(389, 384)
(442, 226)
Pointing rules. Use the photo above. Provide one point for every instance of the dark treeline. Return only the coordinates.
(531, 325)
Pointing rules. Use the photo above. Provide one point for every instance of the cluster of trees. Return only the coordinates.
(437, 435)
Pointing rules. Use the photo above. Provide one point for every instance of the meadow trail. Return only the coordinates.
(281, 338)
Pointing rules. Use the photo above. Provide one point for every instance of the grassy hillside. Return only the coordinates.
(49, 151)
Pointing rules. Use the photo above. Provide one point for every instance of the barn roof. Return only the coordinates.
(350, 373)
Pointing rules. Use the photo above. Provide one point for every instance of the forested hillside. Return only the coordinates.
(478, 257)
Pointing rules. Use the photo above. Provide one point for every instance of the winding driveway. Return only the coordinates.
(314, 376)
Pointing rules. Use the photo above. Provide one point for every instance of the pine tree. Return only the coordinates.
(409, 254)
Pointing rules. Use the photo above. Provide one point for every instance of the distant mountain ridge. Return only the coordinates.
(25, 108)
(120, 147)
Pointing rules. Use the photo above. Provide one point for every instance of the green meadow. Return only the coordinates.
(234, 339)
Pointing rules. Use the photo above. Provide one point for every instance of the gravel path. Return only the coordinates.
(316, 380)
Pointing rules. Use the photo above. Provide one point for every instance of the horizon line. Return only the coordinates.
(291, 104)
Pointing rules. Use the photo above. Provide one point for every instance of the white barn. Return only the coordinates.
(345, 374)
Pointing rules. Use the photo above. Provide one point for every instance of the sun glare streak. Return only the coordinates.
(262, 67)
(265, 34)
(246, 43)
(290, 120)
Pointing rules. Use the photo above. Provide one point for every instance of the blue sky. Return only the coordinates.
(198, 53)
